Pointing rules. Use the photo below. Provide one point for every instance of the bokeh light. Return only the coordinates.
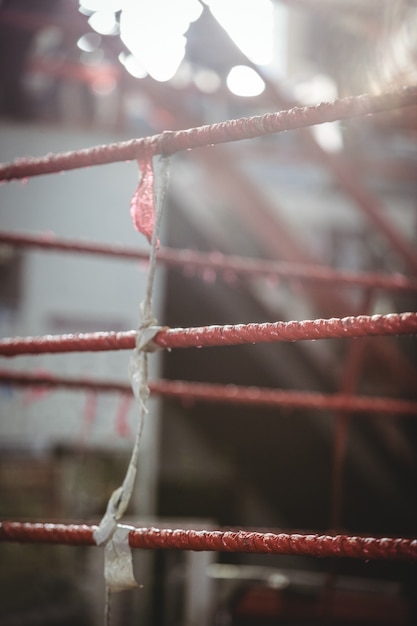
(244, 81)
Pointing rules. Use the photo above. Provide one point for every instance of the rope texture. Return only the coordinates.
(339, 546)
(227, 266)
(209, 336)
(230, 394)
(170, 142)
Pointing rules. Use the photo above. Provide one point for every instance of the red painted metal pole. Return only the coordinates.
(229, 394)
(191, 259)
(210, 336)
(223, 132)
(350, 377)
(370, 205)
(350, 181)
(340, 546)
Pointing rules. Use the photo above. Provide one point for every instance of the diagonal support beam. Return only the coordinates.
(274, 235)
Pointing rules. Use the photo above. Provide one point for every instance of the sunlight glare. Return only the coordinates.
(104, 22)
(132, 65)
(89, 42)
(244, 81)
(102, 5)
(250, 25)
(153, 31)
(322, 88)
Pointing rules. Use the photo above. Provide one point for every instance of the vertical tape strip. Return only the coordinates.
(118, 566)
(118, 569)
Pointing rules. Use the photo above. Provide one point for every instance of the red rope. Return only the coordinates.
(276, 397)
(231, 130)
(230, 394)
(84, 342)
(362, 325)
(71, 534)
(190, 259)
(341, 546)
(271, 543)
(23, 379)
(208, 336)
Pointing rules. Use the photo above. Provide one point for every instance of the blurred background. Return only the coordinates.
(341, 195)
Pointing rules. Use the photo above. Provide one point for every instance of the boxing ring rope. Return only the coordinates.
(349, 327)
(169, 142)
(224, 264)
(228, 394)
(339, 546)
(210, 336)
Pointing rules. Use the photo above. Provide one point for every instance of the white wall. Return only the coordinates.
(71, 292)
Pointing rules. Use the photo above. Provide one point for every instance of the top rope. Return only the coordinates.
(232, 130)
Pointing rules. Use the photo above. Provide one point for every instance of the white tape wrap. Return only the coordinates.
(109, 522)
(118, 566)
